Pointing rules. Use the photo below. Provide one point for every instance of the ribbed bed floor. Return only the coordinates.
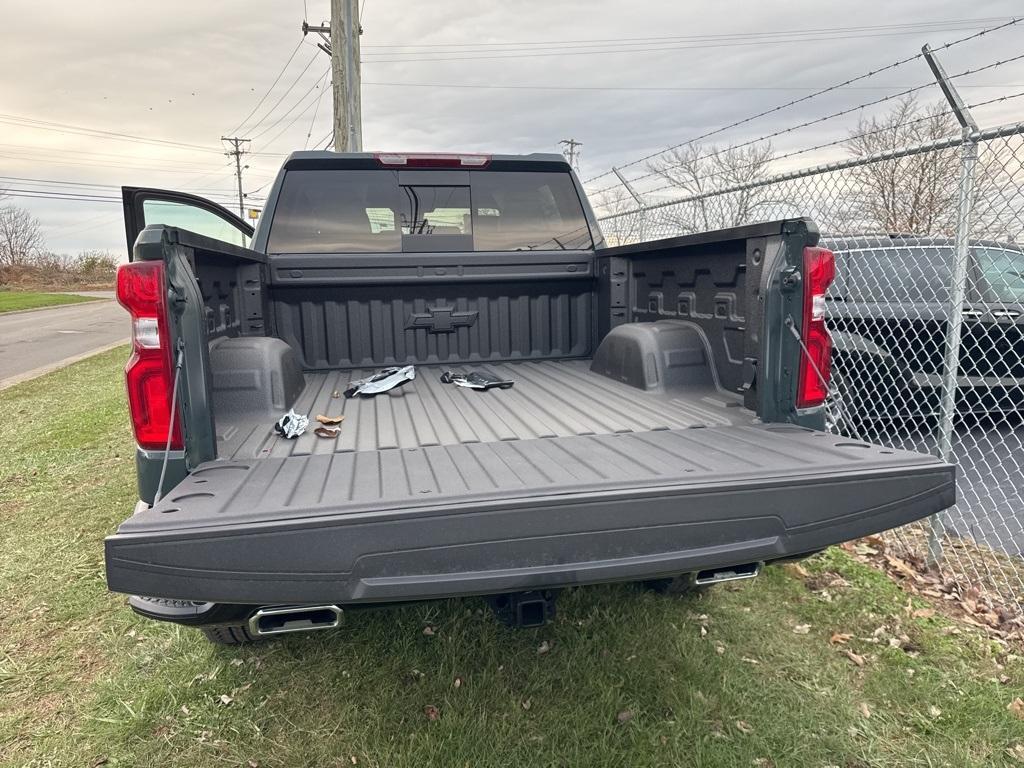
(550, 399)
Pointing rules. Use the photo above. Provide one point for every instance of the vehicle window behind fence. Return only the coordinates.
(904, 274)
(1003, 273)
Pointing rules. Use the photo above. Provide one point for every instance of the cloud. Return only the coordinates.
(191, 71)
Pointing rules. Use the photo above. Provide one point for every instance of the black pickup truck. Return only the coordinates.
(664, 421)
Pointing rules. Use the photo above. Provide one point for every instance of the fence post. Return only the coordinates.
(954, 324)
(958, 284)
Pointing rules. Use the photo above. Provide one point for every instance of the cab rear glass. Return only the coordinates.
(385, 211)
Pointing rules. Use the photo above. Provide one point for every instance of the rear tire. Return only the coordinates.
(238, 634)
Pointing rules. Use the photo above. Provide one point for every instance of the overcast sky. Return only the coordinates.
(189, 72)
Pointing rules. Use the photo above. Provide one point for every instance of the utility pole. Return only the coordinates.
(341, 42)
(237, 152)
(571, 153)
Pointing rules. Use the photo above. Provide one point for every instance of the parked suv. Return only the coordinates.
(888, 310)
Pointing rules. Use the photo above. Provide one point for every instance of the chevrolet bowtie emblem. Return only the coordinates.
(441, 319)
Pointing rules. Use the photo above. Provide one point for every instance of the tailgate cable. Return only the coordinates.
(170, 423)
(807, 353)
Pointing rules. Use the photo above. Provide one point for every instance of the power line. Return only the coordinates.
(562, 51)
(291, 109)
(680, 88)
(271, 88)
(808, 97)
(974, 21)
(283, 96)
(47, 125)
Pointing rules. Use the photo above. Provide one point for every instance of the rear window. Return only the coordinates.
(381, 211)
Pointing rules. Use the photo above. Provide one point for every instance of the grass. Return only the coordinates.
(743, 676)
(11, 301)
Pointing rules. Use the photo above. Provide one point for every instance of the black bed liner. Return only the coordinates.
(480, 517)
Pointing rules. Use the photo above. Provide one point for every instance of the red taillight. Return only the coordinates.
(816, 365)
(141, 289)
(432, 160)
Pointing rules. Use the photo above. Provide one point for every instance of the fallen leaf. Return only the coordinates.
(901, 566)
(328, 433)
(624, 716)
(744, 727)
(703, 631)
(225, 699)
(458, 682)
(856, 658)
(543, 648)
(798, 570)
(839, 638)
(801, 629)
(330, 421)
(864, 709)
(527, 704)
(719, 649)
(432, 712)
(354, 760)
(934, 711)
(1016, 708)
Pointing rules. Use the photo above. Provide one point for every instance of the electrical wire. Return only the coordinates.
(291, 109)
(720, 35)
(562, 51)
(284, 95)
(681, 88)
(47, 125)
(316, 111)
(234, 131)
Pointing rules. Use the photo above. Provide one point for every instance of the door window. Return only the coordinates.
(192, 218)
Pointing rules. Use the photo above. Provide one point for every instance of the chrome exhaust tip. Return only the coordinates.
(728, 573)
(285, 619)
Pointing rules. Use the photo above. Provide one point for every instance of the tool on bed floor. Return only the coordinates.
(475, 380)
(382, 381)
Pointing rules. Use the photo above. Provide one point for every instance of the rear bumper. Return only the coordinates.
(519, 544)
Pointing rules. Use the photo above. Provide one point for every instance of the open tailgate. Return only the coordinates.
(434, 521)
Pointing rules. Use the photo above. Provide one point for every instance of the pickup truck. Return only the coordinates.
(665, 421)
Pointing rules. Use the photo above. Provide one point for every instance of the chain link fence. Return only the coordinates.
(927, 317)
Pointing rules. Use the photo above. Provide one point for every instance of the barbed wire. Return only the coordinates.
(808, 97)
(836, 142)
(816, 121)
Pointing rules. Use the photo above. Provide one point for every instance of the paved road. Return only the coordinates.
(33, 343)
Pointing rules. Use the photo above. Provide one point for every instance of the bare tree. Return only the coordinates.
(918, 194)
(698, 170)
(21, 236)
(912, 194)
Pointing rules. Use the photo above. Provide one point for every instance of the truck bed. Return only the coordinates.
(553, 398)
(569, 477)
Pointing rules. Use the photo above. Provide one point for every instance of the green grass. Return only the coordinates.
(11, 301)
(82, 680)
